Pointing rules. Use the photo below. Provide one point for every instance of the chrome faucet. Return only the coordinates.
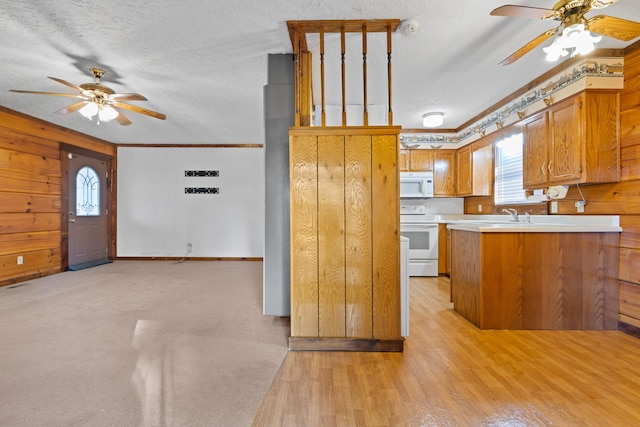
(513, 213)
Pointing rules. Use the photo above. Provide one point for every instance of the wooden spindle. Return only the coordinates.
(390, 114)
(297, 71)
(323, 117)
(344, 79)
(365, 113)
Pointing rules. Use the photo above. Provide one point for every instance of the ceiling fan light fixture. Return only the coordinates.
(107, 113)
(575, 39)
(432, 120)
(89, 110)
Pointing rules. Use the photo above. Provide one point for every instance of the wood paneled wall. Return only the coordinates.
(31, 194)
(345, 284)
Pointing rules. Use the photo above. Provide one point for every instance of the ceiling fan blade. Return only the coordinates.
(528, 47)
(122, 119)
(66, 83)
(601, 4)
(35, 92)
(71, 108)
(140, 110)
(524, 12)
(127, 97)
(618, 28)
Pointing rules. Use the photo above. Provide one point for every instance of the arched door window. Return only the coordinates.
(87, 192)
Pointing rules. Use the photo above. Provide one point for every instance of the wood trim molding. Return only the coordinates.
(345, 344)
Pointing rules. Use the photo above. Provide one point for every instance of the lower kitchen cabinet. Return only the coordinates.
(546, 280)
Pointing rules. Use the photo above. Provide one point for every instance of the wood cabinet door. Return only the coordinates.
(482, 179)
(535, 152)
(565, 151)
(463, 171)
(444, 177)
(403, 160)
(421, 160)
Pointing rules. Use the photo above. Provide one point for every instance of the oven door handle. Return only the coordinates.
(417, 227)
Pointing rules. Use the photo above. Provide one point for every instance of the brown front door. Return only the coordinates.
(87, 211)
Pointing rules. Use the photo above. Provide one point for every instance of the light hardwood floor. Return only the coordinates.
(453, 374)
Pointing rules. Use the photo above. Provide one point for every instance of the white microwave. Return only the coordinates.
(416, 184)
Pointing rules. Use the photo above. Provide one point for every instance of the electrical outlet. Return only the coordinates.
(480, 208)
(20, 260)
(580, 206)
(189, 246)
(554, 207)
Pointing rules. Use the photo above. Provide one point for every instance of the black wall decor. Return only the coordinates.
(201, 190)
(201, 173)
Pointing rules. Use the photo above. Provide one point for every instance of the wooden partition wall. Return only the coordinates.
(344, 192)
(345, 280)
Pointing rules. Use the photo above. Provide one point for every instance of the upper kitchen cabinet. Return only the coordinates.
(475, 169)
(444, 178)
(403, 160)
(421, 160)
(441, 162)
(576, 141)
(463, 171)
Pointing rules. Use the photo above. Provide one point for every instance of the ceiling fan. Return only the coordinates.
(98, 100)
(574, 29)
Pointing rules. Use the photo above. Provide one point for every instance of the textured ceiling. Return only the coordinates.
(204, 63)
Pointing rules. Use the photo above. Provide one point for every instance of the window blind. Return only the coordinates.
(508, 171)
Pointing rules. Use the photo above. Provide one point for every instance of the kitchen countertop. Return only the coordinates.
(538, 224)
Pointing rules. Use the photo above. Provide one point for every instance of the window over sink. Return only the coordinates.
(508, 170)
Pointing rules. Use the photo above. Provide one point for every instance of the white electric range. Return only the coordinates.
(422, 230)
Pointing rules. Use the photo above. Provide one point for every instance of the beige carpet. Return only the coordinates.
(138, 343)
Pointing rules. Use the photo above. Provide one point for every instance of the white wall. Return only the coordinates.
(157, 218)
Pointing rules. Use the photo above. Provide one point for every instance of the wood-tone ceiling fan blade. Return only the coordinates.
(524, 12)
(618, 28)
(528, 47)
(127, 97)
(36, 92)
(66, 83)
(71, 108)
(140, 110)
(122, 119)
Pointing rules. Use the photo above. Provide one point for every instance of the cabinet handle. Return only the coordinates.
(544, 172)
(550, 170)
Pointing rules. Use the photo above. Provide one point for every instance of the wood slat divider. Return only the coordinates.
(298, 31)
(345, 256)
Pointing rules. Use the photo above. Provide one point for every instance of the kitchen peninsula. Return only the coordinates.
(536, 275)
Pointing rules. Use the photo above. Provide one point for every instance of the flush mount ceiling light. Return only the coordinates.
(574, 40)
(432, 120)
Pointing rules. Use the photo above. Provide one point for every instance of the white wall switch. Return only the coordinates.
(20, 260)
(480, 208)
